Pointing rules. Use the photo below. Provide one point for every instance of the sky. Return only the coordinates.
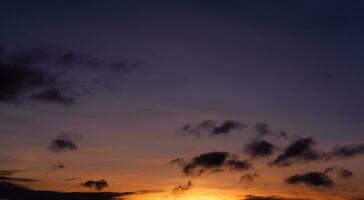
(185, 100)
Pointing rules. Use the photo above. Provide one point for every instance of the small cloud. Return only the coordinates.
(8, 172)
(262, 129)
(315, 179)
(346, 151)
(238, 165)
(213, 128)
(64, 142)
(57, 167)
(214, 162)
(182, 188)
(248, 178)
(53, 95)
(13, 179)
(14, 191)
(259, 148)
(226, 127)
(301, 149)
(98, 184)
(342, 172)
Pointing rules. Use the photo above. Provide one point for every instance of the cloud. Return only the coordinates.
(45, 73)
(342, 172)
(254, 197)
(238, 165)
(13, 179)
(226, 127)
(53, 95)
(16, 81)
(8, 172)
(301, 149)
(248, 178)
(346, 151)
(98, 185)
(63, 142)
(182, 188)
(69, 58)
(263, 129)
(17, 192)
(259, 148)
(213, 162)
(315, 179)
(213, 128)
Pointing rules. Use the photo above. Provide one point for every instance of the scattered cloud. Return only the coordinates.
(13, 179)
(53, 95)
(182, 188)
(249, 178)
(226, 127)
(17, 81)
(50, 74)
(346, 151)
(211, 127)
(263, 129)
(64, 142)
(8, 172)
(299, 150)
(315, 179)
(238, 165)
(17, 192)
(342, 172)
(259, 148)
(214, 162)
(98, 184)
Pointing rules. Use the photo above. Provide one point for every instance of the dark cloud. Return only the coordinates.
(98, 184)
(214, 162)
(253, 197)
(64, 142)
(16, 81)
(6, 175)
(201, 128)
(211, 127)
(262, 129)
(346, 151)
(54, 95)
(345, 173)
(13, 179)
(342, 172)
(315, 179)
(238, 165)
(178, 161)
(40, 73)
(124, 66)
(249, 178)
(8, 172)
(70, 58)
(259, 148)
(301, 149)
(182, 188)
(15, 192)
(57, 167)
(226, 127)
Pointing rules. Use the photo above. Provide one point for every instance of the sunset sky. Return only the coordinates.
(182, 99)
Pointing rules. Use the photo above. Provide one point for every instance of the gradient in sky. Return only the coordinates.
(162, 100)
